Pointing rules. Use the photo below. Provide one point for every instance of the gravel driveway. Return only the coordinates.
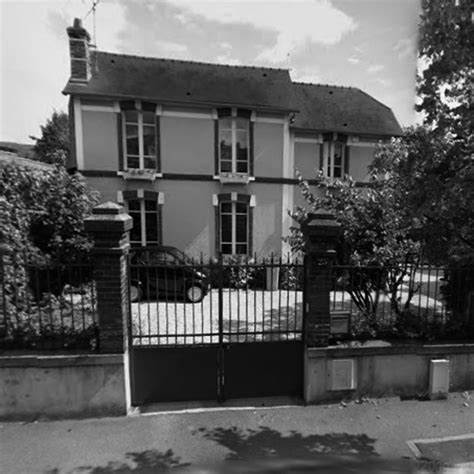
(247, 316)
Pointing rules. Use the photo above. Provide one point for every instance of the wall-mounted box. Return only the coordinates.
(340, 322)
(439, 379)
(342, 374)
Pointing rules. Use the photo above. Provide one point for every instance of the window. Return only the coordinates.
(145, 217)
(140, 139)
(234, 228)
(334, 154)
(234, 145)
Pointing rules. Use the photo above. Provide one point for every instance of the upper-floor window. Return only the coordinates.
(140, 139)
(334, 154)
(234, 141)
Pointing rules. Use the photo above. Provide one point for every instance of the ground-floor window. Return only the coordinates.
(234, 217)
(144, 213)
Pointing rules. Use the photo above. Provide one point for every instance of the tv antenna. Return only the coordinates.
(92, 10)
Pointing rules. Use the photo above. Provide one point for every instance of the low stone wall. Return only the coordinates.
(383, 370)
(61, 386)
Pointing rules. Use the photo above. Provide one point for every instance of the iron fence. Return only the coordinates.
(417, 301)
(48, 306)
(178, 302)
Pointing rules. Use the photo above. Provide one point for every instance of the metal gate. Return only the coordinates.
(215, 330)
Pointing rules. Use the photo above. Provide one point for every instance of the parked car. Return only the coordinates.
(164, 271)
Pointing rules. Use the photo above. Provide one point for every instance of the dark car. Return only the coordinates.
(166, 272)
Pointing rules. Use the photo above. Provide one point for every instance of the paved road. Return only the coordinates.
(366, 437)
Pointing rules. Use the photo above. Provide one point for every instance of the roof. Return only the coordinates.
(342, 109)
(7, 158)
(176, 81)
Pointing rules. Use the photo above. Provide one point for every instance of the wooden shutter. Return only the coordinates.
(121, 156)
(158, 143)
(251, 149)
(218, 228)
(71, 159)
(321, 157)
(216, 147)
(346, 159)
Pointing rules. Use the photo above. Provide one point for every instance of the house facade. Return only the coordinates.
(203, 156)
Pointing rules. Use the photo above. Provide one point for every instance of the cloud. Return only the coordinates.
(169, 47)
(354, 60)
(305, 75)
(293, 23)
(383, 82)
(404, 48)
(227, 59)
(375, 68)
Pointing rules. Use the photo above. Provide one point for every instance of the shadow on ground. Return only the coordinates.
(145, 462)
(269, 443)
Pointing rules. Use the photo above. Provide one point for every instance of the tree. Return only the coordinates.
(376, 241)
(446, 49)
(53, 145)
(45, 212)
(430, 175)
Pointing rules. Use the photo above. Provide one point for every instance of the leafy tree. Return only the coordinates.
(45, 212)
(53, 145)
(376, 233)
(446, 49)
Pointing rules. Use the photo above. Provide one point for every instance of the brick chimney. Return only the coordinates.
(79, 49)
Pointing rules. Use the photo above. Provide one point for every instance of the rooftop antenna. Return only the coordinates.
(92, 10)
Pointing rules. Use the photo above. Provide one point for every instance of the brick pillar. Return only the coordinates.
(320, 233)
(110, 225)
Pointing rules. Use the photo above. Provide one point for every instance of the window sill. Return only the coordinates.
(234, 178)
(139, 174)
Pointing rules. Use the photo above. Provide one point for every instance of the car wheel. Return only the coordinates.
(194, 293)
(136, 293)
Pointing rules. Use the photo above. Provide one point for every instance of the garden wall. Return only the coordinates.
(61, 386)
(384, 370)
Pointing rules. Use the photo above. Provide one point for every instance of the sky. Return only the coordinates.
(369, 44)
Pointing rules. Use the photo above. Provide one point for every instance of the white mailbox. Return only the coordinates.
(439, 378)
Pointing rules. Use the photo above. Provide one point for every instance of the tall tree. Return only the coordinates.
(446, 51)
(53, 145)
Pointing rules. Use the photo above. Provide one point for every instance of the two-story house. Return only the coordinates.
(203, 156)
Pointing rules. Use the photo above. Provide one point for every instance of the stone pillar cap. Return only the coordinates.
(109, 207)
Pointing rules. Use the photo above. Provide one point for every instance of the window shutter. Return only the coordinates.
(159, 216)
(346, 159)
(158, 143)
(321, 157)
(216, 147)
(218, 228)
(121, 157)
(250, 236)
(72, 161)
(251, 151)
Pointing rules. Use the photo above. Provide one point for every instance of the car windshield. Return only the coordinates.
(181, 256)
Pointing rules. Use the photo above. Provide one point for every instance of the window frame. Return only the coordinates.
(143, 234)
(328, 158)
(140, 126)
(234, 116)
(233, 243)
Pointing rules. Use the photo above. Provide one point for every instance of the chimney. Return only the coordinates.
(79, 49)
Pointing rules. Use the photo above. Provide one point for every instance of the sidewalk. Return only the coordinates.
(366, 437)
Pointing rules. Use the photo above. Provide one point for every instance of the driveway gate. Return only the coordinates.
(244, 338)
